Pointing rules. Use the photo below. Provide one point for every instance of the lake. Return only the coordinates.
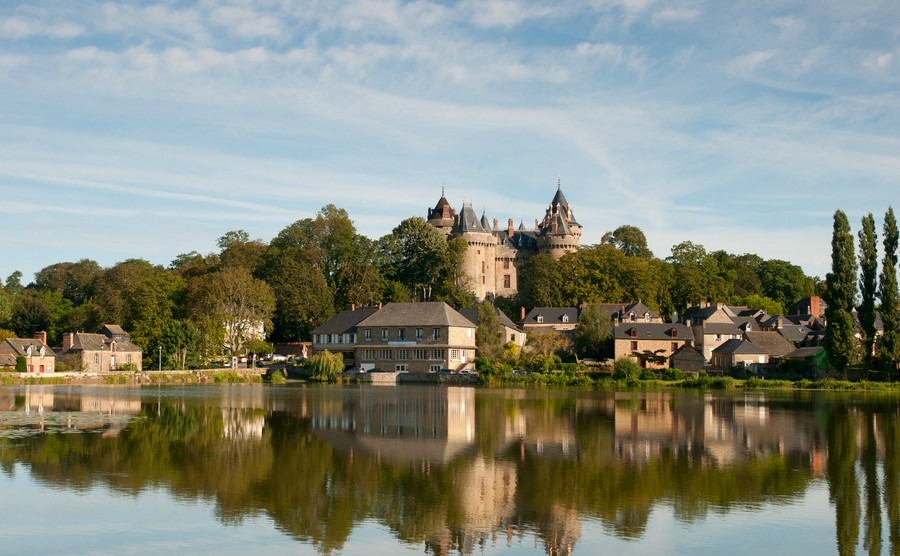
(237, 469)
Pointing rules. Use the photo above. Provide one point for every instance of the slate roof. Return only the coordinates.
(772, 342)
(471, 313)
(114, 331)
(804, 352)
(794, 332)
(345, 322)
(19, 346)
(721, 328)
(688, 352)
(430, 313)
(746, 323)
(552, 315)
(652, 331)
(83, 341)
(740, 347)
(469, 221)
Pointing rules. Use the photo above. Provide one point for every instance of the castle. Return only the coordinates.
(496, 255)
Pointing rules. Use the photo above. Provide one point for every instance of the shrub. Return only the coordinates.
(672, 374)
(21, 364)
(325, 366)
(647, 374)
(626, 368)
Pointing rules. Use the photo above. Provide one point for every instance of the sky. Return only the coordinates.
(150, 129)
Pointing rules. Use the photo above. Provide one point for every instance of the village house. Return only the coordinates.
(109, 349)
(39, 358)
(650, 344)
(688, 358)
(416, 338)
(561, 319)
(339, 333)
(510, 332)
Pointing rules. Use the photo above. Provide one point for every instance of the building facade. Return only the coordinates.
(495, 255)
(416, 338)
(109, 349)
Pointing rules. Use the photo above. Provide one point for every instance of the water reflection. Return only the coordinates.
(464, 470)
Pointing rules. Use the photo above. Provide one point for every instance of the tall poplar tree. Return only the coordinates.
(840, 295)
(868, 285)
(888, 295)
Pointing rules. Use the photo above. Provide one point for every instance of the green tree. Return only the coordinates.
(889, 297)
(237, 249)
(696, 276)
(840, 295)
(239, 306)
(14, 283)
(114, 289)
(151, 303)
(302, 297)
(593, 332)
(21, 364)
(75, 281)
(770, 306)
(782, 281)
(868, 286)
(540, 283)
(547, 342)
(489, 334)
(180, 341)
(31, 314)
(325, 366)
(630, 240)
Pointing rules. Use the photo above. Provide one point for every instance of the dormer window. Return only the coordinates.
(633, 332)
(647, 317)
(631, 317)
(565, 318)
(539, 318)
(674, 332)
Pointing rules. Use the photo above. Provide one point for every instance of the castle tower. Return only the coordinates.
(442, 216)
(479, 260)
(559, 233)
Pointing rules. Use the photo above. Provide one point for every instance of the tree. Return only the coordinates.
(769, 306)
(889, 297)
(180, 340)
(239, 305)
(593, 332)
(868, 285)
(629, 240)
(489, 334)
(237, 249)
(782, 281)
(840, 295)
(547, 342)
(14, 283)
(303, 299)
(31, 315)
(151, 303)
(325, 366)
(540, 282)
(75, 281)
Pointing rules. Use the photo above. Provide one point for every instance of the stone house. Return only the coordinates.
(339, 333)
(687, 358)
(561, 319)
(109, 349)
(650, 344)
(39, 358)
(416, 338)
(738, 352)
(511, 332)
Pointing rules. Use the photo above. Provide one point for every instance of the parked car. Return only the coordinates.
(446, 371)
(467, 372)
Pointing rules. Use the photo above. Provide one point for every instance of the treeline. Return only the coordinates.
(204, 305)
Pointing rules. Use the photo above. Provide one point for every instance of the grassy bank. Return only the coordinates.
(217, 376)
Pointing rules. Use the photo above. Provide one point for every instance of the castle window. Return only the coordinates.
(506, 263)
(506, 281)
(482, 267)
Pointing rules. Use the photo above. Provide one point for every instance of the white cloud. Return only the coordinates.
(749, 62)
(506, 13)
(632, 58)
(246, 23)
(879, 61)
(674, 14)
(789, 25)
(18, 28)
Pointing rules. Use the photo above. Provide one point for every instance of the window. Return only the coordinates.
(401, 354)
(674, 346)
(539, 318)
(506, 281)
(483, 279)
(468, 332)
(384, 354)
(436, 334)
(367, 334)
(631, 316)
(437, 354)
(128, 359)
(455, 355)
(434, 368)
(512, 338)
(633, 332)
(400, 368)
(634, 345)
(384, 334)
(401, 334)
(646, 317)
(565, 318)
(420, 354)
(418, 333)
(96, 359)
(482, 267)
(506, 264)
(718, 337)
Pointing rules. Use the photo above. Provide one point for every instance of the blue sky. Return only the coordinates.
(132, 129)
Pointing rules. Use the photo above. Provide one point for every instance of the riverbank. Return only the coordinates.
(213, 376)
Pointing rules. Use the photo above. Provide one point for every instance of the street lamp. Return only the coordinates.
(160, 357)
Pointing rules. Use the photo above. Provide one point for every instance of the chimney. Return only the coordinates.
(42, 336)
(496, 224)
(522, 318)
(68, 341)
(351, 306)
(510, 229)
(815, 306)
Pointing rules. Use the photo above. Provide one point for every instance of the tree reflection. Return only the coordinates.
(539, 462)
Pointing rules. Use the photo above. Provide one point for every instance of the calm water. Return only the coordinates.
(396, 470)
